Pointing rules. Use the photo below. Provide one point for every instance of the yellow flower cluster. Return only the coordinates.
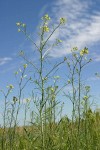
(25, 66)
(75, 48)
(46, 17)
(69, 81)
(16, 72)
(19, 30)
(62, 20)
(45, 28)
(18, 23)
(23, 25)
(84, 51)
(27, 100)
(52, 89)
(10, 86)
(85, 97)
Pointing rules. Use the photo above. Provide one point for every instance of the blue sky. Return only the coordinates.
(82, 29)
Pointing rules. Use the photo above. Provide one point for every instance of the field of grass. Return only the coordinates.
(63, 135)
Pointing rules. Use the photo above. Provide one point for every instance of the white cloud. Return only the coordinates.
(10, 68)
(93, 78)
(96, 57)
(82, 28)
(4, 60)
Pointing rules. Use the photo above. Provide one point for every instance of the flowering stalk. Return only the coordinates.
(43, 78)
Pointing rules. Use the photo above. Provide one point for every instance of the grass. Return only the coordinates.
(62, 135)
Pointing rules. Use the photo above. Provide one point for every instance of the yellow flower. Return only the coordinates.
(52, 89)
(10, 86)
(18, 23)
(19, 30)
(25, 66)
(27, 100)
(81, 53)
(45, 28)
(75, 48)
(16, 72)
(85, 97)
(74, 55)
(62, 20)
(84, 51)
(44, 79)
(21, 52)
(46, 17)
(23, 25)
(69, 81)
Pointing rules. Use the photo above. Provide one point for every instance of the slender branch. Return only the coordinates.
(29, 38)
(51, 34)
(30, 63)
(54, 68)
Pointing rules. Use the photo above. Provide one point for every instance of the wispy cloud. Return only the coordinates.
(5, 60)
(5, 70)
(94, 78)
(82, 28)
(96, 57)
